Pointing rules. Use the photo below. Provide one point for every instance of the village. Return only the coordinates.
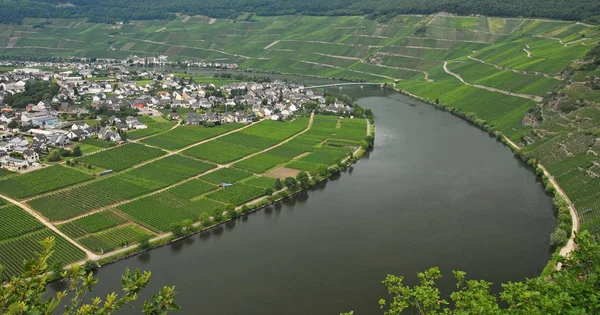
(42, 111)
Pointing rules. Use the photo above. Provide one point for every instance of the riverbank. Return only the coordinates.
(557, 191)
(239, 211)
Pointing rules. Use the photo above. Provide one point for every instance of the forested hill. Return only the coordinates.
(13, 11)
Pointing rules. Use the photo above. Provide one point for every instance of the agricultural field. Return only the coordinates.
(92, 223)
(113, 238)
(157, 212)
(15, 250)
(186, 135)
(128, 184)
(192, 189)
(41, 181)
(260, 163)
(237, 194)
(252, 139)
(122, 157)
(14, 222)
(226, 175)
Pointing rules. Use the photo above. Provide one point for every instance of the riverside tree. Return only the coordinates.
(27, 294)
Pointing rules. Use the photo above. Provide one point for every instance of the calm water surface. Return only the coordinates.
(434, 191)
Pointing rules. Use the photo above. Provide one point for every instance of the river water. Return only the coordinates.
(435, 191)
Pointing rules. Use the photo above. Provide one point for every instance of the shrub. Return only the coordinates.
(558, 238)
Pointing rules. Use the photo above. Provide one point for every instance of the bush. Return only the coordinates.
(90, 265)
(558, 238)
(54, 156)
(144, 241)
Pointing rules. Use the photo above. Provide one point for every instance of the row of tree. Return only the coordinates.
(109, 11)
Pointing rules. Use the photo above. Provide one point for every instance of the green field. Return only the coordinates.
(183, 136)
(15, 250)
(14, 222)
(113, 238)
(122, 157)
(237, 194)
(226, 175)
(41, 181)
(92, 223)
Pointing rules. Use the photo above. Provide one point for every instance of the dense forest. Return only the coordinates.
(13, 11)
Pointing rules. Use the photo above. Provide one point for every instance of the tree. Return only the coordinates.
(187, 225)
(303, 179)
(572, 289)
(77, 151)
(278, 184)
(231, 211)
(54, 156)
(204, 219)
(13, 124)
(22, 295)
(218, 215)
(290, 183)
(268, 191)
(208, 124)
(176, 229)
(321, 170)
(124, 135)
(144, 241)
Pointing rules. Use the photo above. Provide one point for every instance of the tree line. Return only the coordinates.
(110, 11)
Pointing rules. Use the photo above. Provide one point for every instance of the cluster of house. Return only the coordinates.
(22, 147)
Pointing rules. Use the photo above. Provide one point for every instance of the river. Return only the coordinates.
(435, 191)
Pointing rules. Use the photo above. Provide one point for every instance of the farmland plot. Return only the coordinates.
(15, 250)
(122, 157)
(183, 136)
(113, 238)
(237, 194)
(92, 223)
(41, 181)
(14, 221)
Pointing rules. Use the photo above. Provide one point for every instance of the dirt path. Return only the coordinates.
(339, 57)
(405, 69)
(526, 49)
(570, 246)
(169, 234)
(142, 163)
(357, 71)
(515, 70)
(49, 225)
(271, 44)
(182, 46)
(219, 166)
(456, 75)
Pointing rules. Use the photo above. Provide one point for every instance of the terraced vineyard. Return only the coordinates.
(498, 71)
